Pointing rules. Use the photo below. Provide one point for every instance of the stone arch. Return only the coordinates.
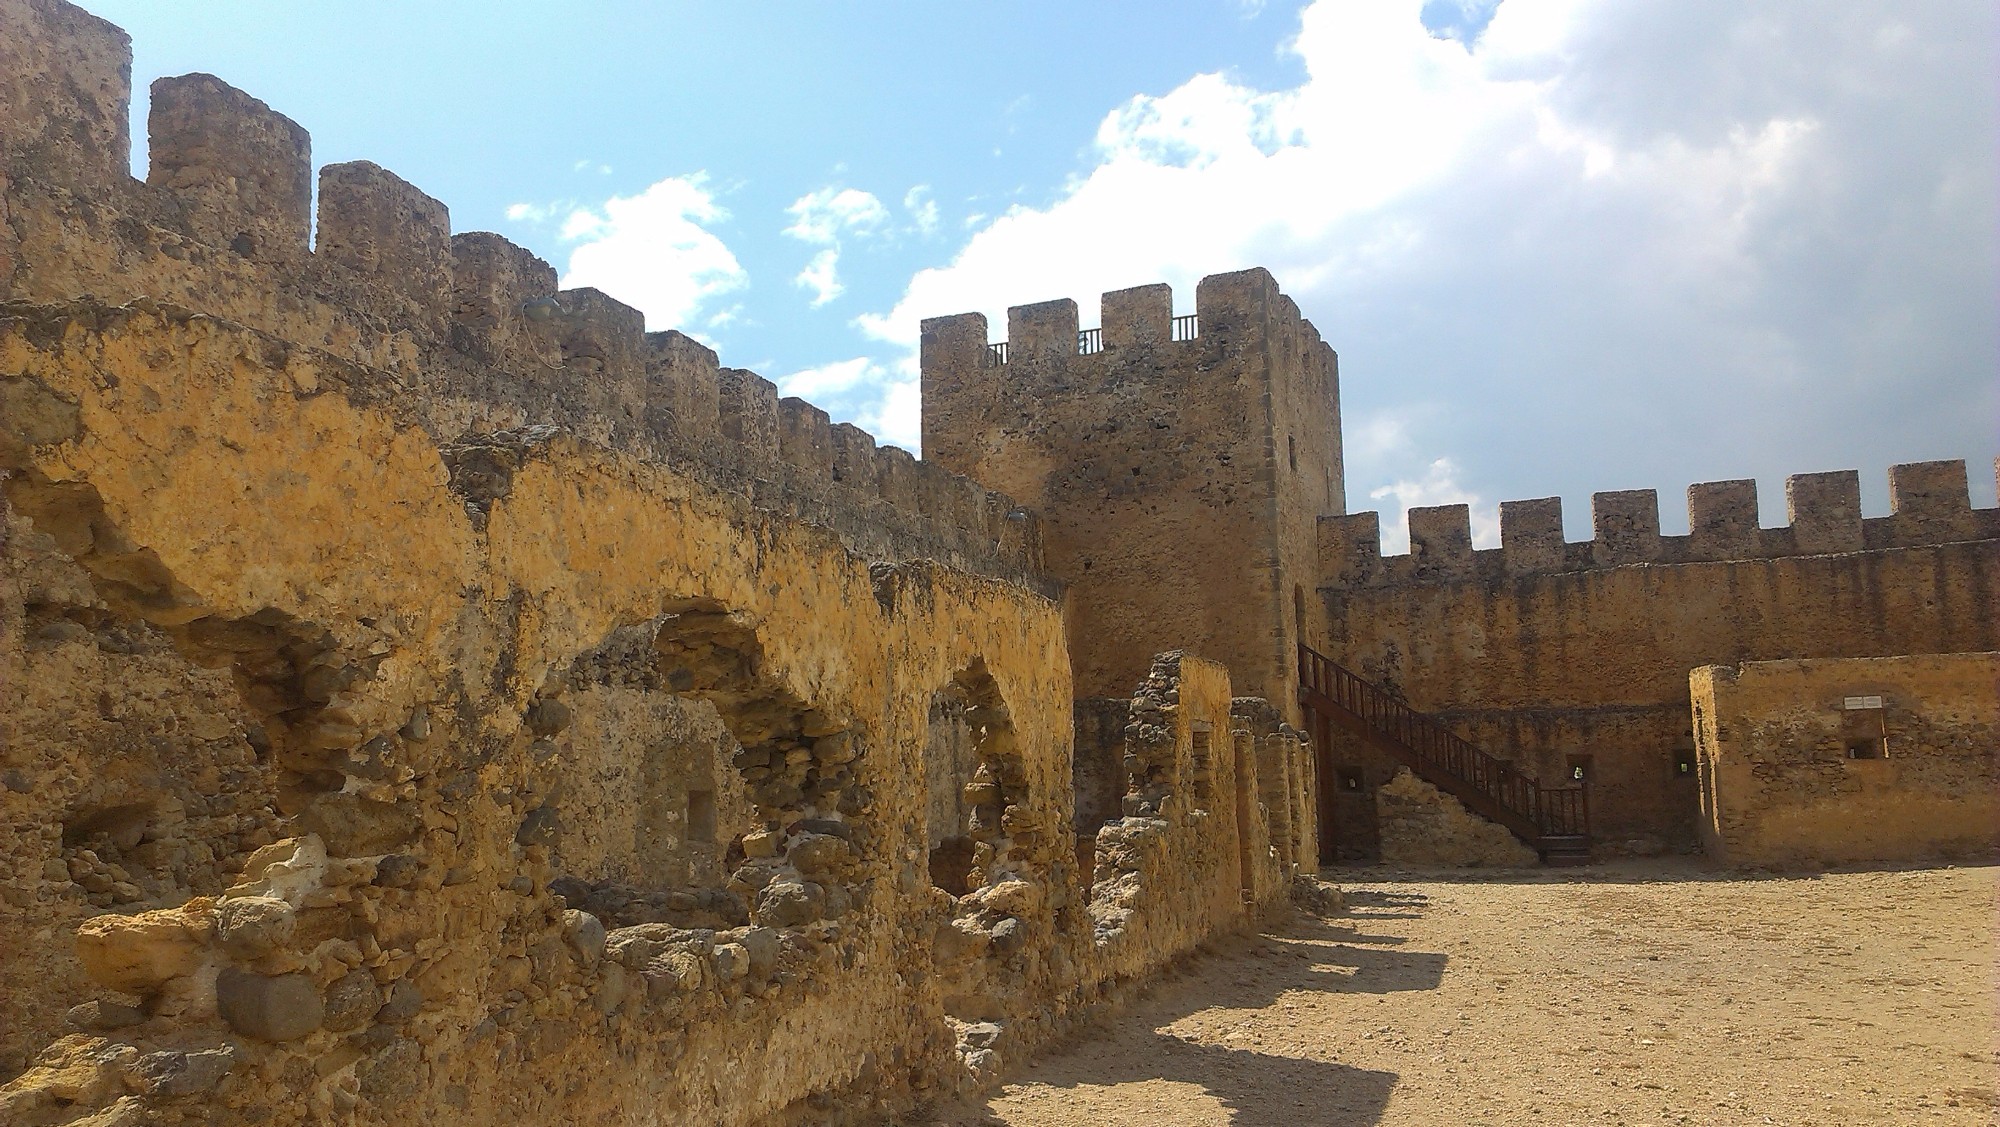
(754, 791)
(982, 837)
(973, 779)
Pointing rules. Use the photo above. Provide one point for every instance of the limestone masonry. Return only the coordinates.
(427, 697)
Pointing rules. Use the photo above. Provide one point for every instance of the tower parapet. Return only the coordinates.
(1177, 463)
(472, 325)
(1930, 504)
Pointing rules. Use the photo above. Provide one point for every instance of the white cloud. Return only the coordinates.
(823, 216)
(1438, 485)
(881, 399)
(922, 208)
(839, 376)
(822, 276)
(654, 251)
(1592, 244)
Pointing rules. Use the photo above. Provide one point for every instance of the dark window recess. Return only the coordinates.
(1864, 731)
(1683, 765)
(1350, 778)
(1579, 768)
(701, 816)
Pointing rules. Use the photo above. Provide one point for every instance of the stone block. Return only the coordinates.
(242, 171)
(1043, 331)
(380, 226)
(65, 96)
(1626, 527)
(1531, 535)
(1140, 315)
(1441, 541)
(1825, 511)
(281, 1007)
(1722, 520)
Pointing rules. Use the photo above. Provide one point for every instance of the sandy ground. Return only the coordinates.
(1638, 994)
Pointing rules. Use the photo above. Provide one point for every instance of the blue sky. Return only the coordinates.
(1561, 245)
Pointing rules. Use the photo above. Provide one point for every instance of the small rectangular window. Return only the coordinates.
(1579, 768)
(1864, 730)
(1350, 778)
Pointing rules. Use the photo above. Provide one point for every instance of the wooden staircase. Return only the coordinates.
(1555, 821)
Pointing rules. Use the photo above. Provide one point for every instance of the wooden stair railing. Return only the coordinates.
(1555, 821)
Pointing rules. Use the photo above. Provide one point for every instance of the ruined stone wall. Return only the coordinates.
(426, 698)
(1540, 650)
(1178, 480)
(470, 323)
(1193, 856)
(1853, 759)
(464, 741)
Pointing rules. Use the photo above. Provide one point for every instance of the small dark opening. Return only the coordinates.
(951, 865)
(1864, 730)
(1292, 449)
(701, 816)
(1350, 778)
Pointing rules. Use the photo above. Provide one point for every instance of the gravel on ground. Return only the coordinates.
(1638, 993)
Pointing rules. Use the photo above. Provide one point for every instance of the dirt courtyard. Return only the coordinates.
(1626, 994)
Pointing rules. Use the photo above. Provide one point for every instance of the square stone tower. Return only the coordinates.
(1179, 466)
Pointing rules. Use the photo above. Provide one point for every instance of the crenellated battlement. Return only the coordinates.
(1930, 503)
(472, 324)
(1232, 310)
(1200, 447)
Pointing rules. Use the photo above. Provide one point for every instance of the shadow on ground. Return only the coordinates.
(1351, 954)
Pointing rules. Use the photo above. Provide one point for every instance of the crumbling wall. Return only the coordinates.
(1201, 447)
(1287, 782)
(1192, 856)
(472, 325)
(1541, 651)
(1423, 827)
(420, 689)
(1808, 762)
(441, 723)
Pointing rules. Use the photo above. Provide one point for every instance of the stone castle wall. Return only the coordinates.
(471, 326)
(1888, 759)
(1178, 472)
(421, 689)
(1541, 650)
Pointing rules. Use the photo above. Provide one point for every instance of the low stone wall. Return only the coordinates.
(1828, 761)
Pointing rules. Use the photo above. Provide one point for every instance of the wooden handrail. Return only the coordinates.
(1491, 786)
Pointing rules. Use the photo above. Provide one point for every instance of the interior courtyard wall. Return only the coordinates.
(1844, 760)
(1540, 650)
